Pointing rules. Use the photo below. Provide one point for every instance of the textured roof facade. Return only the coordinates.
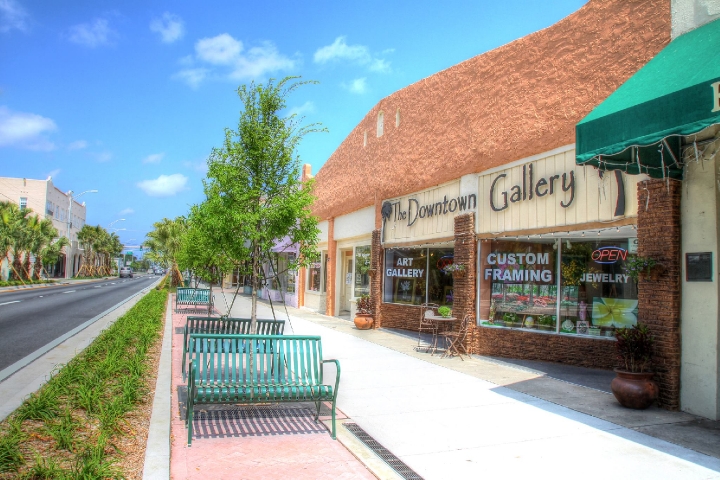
(518, 100)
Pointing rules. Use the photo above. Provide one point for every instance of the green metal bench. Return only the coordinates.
(273, 369)
(194, 297)
(225, 326)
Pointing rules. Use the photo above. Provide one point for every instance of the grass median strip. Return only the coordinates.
(83, 422)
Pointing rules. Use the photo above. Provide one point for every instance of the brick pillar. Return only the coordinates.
(465, 253)
(377, 256)
(330, 274)
(659, 300)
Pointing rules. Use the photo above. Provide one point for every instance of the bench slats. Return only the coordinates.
(251, 369)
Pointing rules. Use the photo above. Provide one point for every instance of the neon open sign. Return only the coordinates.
(609, 254)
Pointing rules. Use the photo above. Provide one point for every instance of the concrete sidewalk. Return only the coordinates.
(448, 418)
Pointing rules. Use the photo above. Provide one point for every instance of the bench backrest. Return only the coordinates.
(275, 359)
(187, 294)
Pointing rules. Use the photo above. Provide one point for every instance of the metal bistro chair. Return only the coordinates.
(455, 341)
(427, 325)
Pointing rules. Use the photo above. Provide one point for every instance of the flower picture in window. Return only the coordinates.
(619, 312)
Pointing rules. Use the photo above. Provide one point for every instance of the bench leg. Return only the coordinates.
(334, 437)
(189, 419)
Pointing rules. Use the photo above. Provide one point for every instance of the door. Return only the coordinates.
(346, 281)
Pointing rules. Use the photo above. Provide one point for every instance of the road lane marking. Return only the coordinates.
(69, 291)
(8, 303)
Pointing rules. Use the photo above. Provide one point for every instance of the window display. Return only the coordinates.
(362, 267)
(519, 286)
(415, 276)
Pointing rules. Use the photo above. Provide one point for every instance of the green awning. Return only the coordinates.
(637, 129)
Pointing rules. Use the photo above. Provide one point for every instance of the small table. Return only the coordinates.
(439, 320)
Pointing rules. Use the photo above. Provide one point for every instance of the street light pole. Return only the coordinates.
(68, 273)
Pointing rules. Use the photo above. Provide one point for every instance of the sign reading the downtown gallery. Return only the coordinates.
(502, 193)
(413, 210)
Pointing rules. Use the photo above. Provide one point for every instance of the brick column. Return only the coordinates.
(377, 256)
(464, 287)
(330, 274)
(659, 300)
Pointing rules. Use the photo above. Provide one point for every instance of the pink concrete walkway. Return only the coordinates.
(242, 443)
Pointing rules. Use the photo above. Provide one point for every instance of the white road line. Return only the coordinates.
(8, 303)
(69, 291)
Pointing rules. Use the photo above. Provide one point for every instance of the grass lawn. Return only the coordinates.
(90, 419)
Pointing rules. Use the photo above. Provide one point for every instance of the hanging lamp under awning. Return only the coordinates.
(638, 128)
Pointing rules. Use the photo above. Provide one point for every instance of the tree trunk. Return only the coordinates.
(253, 310)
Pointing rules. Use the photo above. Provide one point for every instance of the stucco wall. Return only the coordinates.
(700, 359)
(355, 224)
(510, 103)
(690, 14)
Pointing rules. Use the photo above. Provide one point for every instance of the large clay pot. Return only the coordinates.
(363, 321)
(634, 390)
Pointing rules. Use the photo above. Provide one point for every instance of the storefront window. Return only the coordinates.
(362, 267)
(414, 276)
(518, 286)
(440, 283)
(314, 276)
(597, 295)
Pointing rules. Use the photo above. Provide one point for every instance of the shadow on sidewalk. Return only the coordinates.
(226, 421)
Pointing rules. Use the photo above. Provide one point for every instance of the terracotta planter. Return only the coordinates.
(363, 321)
(634, 390)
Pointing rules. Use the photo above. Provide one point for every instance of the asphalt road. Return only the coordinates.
(30, 319)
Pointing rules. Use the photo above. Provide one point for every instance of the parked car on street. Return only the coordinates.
(126, 272)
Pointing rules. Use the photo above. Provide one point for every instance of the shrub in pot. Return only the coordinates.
(363, 314)
(634, 386)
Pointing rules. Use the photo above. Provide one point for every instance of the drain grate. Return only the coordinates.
(395, 463)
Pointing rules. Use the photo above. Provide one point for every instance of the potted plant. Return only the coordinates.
(445, 311)
(363, 315)
(645, 267)
(634, 386)
(545, 322)
(457, 270)
(511, 320)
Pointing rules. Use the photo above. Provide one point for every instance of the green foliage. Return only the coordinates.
(100, 386)
(165, 242)
(364, 307)
(635, 265)
(254, 192)
(10, 456)
(444, 311)
(635, 347)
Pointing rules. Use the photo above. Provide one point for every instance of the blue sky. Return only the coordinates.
(130, 97)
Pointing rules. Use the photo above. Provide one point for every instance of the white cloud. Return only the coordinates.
(54, 173)
(126, 211)
(77, 145)
(340, 50)
(12, 16)
(102, 157)
(358, 86)
(92, 35)
(220, 50)
(358, 54)
(170, 27)
(154, 158)
(225, 57)
(164, 185)
(200, 166)
(25, 130)
(192, 76)
(307, 107)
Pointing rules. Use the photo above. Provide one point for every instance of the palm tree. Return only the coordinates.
(42, 238)
(15, 239)
(165, 242)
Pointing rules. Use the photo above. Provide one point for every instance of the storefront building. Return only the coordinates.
(665, 122)
(476, 167)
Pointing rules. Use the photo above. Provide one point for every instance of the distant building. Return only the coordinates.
(48, 201)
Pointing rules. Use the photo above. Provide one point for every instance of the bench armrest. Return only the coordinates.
(337, 375)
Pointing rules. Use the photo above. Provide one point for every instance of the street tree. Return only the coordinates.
(254, 193)
(164, 243)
